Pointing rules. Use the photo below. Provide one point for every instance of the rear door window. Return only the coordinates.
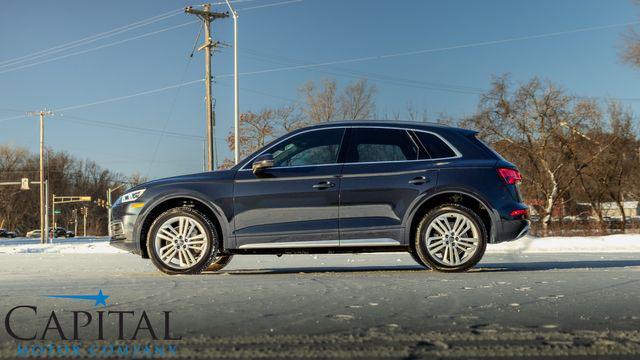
(380, 145)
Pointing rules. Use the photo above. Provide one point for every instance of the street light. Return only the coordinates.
(236, 110)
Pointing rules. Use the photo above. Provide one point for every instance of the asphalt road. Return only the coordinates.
(368, 306)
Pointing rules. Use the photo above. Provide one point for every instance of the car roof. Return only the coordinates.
(392, 123)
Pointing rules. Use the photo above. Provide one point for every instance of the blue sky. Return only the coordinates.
(310, 31)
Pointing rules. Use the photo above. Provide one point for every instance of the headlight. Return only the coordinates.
(131, 196)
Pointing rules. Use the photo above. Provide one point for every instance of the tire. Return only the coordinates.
(174, 249)
(219, 262)
(456, 238)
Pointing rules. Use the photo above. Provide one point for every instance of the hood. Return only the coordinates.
(218, 175)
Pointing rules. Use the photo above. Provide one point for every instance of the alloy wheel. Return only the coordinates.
(181, 242)
(452, 239)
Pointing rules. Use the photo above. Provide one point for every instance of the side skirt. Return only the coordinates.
(319, 250)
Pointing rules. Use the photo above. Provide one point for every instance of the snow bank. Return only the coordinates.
(78, 245)
(623, 243)
(629, 243)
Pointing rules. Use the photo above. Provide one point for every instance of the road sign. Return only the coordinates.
(57, 212)
(24, 184)
(85, 198)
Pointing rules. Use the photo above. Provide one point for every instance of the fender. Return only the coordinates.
(493, 214)
(184, 194)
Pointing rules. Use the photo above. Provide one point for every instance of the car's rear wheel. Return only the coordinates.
(182, 241)
(451, 238)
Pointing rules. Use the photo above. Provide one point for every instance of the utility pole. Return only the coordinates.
(75, 221)
(236, 101)
(84, 221)
(42, 114)
(46, 206)
(206, 15)
(53, 216)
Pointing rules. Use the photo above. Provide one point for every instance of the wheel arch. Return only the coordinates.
(143, 224)
(454, 195)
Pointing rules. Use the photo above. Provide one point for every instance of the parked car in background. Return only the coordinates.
(434, 191)
(4, 233)
(62, 232)
(33, 234)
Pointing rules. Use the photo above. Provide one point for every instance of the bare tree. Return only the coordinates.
(255, 130)
(66, 174)
(358, 101)
(536, 127)
(290, 118)
(320, 104)
(631, 51)
(414, 114)
(621, 169)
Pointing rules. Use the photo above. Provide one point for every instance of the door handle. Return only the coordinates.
(419, 180)
(324, 185)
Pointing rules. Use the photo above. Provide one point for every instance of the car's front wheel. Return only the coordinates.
(219, 262)
(182, 241)
(450, 238)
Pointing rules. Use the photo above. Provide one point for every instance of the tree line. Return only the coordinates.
(67, 176)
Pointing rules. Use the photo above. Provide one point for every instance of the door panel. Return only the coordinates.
(384, 173)
(295, 203)
(286, 205)
(374, 198)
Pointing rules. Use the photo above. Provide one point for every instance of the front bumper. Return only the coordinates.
(123, 224)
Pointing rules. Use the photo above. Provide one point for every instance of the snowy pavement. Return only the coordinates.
(628, 243)
(76, 245)
(524, 301)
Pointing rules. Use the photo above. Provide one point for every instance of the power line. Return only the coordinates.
(10, 64)
(147, 92)
(110, 33)
(329, 63)
(434, 50)
(376, 77)
(270, 5)
(98, 47)
(173, 103)
(118, 98)
(128, 128)
(89, 39)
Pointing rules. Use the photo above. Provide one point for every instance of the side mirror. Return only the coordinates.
(262, 163)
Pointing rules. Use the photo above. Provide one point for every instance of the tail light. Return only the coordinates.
(510, 176)
(519, 212)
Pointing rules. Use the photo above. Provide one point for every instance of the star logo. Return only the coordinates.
(100, 298)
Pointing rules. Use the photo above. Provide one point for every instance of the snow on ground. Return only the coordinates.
(77, 245)
(624, 243)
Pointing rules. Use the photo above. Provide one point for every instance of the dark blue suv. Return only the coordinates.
(359, 186)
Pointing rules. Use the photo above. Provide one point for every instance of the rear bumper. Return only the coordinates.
(509, 230)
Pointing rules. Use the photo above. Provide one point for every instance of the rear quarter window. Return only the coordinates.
(486, 147)
(436, 148)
